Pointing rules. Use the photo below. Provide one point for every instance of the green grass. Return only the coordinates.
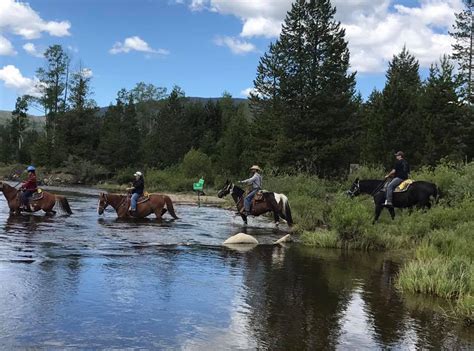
(440, 239)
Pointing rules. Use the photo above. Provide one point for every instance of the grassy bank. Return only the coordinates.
(440, 239)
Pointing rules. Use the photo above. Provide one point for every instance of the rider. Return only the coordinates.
(29, 187)
(399, 173)
(256, 181)
(137, 189)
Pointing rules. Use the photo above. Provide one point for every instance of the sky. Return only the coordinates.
(204, 46)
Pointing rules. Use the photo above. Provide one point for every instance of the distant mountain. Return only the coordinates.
(39, 122)
(36, 122)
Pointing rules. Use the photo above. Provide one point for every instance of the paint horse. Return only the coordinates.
(153, 203)
(42, 200)
(268, 202)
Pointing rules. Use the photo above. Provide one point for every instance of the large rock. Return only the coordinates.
(285, 239)
(241, 238)
(241, 247)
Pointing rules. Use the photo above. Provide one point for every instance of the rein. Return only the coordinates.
(377, 189)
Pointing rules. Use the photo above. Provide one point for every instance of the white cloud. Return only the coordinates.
(13, 79)
(237, 46)
(375, 30)
(19, 18)
(30, 48)
(87, 73)
(73, 49)
(246, 92)
(6, 47)
(135, 43)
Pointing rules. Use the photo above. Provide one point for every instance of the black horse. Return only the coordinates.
(419, 194)
(271, 202)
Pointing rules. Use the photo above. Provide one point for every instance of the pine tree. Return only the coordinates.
(77, 132)
(19, 124)
(373, 126)
(444, 119)
(463, 50)
(304, 88)
(53, 79)
(400, 109)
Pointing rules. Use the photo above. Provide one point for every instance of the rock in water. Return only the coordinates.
(241, 247)
(285, 239)
(241, 238)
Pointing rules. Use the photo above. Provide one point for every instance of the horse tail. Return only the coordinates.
(286, 209)
(62, 201)
(169, 207)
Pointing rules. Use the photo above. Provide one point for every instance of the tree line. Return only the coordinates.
(304, 113)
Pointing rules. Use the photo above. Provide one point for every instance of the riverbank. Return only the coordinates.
(438, 242)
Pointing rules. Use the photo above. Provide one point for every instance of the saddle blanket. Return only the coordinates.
(38, 195)
(404, 186)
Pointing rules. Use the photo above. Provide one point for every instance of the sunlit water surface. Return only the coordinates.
(88, 281)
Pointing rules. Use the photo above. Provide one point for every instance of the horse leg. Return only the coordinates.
(378, 210)
(158, 213)
(276, 217)
(392, 212)
(244, 218)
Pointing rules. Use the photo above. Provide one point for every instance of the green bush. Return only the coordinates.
(197, 164)
(84, 171)
(350, 219)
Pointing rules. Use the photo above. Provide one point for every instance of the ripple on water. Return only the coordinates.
(87, 281)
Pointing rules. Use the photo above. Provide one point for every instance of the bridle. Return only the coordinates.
(356, 190)
(105, 200)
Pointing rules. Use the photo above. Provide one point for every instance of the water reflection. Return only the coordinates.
(101, 283)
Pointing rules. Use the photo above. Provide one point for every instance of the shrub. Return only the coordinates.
(197, 164)
(350, 219)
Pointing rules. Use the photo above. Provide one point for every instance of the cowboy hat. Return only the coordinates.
(400, 153)
(255, 168)
(138, 174)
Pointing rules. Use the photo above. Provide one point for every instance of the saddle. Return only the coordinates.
(259, 197)
(144, 198)
(403, 186)
(37, 195)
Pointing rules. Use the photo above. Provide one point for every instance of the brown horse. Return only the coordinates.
(45, 203)
(155, 204)
(271, 202)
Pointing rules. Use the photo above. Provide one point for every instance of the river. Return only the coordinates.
(87, 281)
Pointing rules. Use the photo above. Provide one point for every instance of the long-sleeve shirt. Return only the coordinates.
(255, 181)
(30, 183)
(138, 186)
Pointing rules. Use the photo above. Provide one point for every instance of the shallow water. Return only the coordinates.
(95, 282)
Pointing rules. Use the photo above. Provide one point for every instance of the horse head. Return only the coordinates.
(355, 188)
(226, 189)
(103, 203)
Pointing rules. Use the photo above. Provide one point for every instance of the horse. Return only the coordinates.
(45, 203)
(272, 202)
(155, 204)
(419, 194)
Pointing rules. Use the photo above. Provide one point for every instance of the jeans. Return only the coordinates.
(391, 187)
(134, 200)
(249, 198)
(25, 196)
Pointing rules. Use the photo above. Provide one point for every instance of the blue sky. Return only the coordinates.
(204, 46)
